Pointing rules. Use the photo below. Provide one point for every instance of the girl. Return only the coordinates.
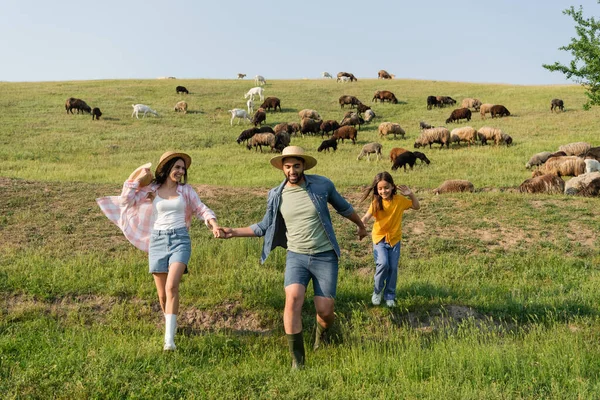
(387, 208)
(155, 215)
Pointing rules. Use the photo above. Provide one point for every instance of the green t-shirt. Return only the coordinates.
(305, 232)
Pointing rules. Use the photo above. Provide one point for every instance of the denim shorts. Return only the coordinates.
(167, 247)
(322, 268)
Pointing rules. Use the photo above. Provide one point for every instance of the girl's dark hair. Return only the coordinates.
(382, 176)
(162, 176)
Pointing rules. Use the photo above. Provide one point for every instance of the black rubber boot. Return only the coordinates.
(296, 344)
(321, 336)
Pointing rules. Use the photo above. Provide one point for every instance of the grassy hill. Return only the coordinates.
(497, 292)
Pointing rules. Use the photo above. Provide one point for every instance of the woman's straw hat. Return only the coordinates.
(138, 171)
(169, 155)
(297, 152)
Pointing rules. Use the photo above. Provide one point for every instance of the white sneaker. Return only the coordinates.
(390, 303)
(376, 298)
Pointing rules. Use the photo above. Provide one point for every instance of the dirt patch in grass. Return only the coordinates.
(227, 316)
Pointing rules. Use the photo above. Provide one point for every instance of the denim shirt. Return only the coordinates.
(321, 191)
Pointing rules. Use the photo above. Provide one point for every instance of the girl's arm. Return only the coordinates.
(366, 217)
(405, 191)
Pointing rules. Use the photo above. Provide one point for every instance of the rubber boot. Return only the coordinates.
(296, 344)
(321, 337)
(170, 329)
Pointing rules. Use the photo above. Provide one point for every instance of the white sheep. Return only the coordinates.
(369, 115)
(240, 114)
(255, 91)
(370, 148)
(259, 80)
(575, 149)
(138, 108)
(464, 134)
(181, 106)
(250, 105)
(591, 165)
(326, 75)
(343, 79)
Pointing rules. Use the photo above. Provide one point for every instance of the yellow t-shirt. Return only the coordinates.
(388, 222)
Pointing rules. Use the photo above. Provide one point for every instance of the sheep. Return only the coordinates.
(326, 75)
(282, 127)
(593, 153)
(96, 113)
(557, 104)
(138, 108)
(294, 127)
(506, 139)
(353, 120)
(458, 114)
(346, 132)
(538, 159)
(421, 157)
(371, 148)
(309, 125)
(432, 102)
(261, 139)
(564, 166)
(395, 152)
(383, 74)
(282, 140)
(577, 184)
(591, 190)
(471, 103)
(386, 128)
(542, 183)
(384, 95)
(241, 76)
(439, 135)
(348, 100)
(464, 134)
(575, 149)
(347, 74)
(181, 106)
(486, 133)
(369, 115)
(454, 186)
(499, 110)
(271, 102)
(259, 80)
(240, 114)
(247, 134)
(407, 158)
(362, 108)
(424, 125)
(255, 91)
(591, 165)
(445, 100)
(343, 79)
(328, 144)
(250, 105)
(265, 129)
(181, 89)
(77, 104)
(259, 117)
(329, 126)
(308, 113)
(484, 109)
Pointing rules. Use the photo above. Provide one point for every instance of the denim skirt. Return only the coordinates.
(169, 246)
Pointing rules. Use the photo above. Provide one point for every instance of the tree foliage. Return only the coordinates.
(585, 49)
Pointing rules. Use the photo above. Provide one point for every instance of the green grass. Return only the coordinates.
(497, 296)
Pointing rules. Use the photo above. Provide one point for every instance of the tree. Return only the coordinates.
(585, 48)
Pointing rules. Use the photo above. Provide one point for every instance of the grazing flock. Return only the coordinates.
(579, 160)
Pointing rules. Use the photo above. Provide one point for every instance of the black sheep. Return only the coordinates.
(181, 89)
(328, 144)
(96, 113)
(408, 157)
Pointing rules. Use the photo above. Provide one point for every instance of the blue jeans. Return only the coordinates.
(322, 268)
(386, 268)
(167, 247)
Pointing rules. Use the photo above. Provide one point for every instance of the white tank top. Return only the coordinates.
(169, 214)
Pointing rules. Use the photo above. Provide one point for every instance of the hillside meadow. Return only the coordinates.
(497, 294)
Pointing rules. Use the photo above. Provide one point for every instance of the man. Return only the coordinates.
(298, 219)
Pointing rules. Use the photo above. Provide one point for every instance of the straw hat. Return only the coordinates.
(297, 152)
(138, 171)
(169, 155)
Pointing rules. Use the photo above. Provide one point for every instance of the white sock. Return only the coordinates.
(170, 329)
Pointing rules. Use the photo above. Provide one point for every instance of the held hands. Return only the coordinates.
(225, 233)
(404, 190)
(362, 232)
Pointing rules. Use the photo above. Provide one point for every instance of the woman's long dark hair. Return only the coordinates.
(162, 176)
(377, 199)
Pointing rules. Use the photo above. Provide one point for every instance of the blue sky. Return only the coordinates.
(504, 41)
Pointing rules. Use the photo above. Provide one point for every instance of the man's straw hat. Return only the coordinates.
(169, 155)
(297, 152)
(138, 171)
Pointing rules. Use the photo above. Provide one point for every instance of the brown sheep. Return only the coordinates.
(564, 166)
(383, 74)
(282, 127)
(308, 113)
(484, 109)
(471, 103)
(353, 120)
(346, 132)
(575, 149)
(557, 104)
(328, 144)
(486, 133)
(499, 111)
(309, 125)
(329, 126)
(348, 74)
(77, 104)
(294, 127)
(395, 152)
(464, 134)
(361, 108)
(458, 114)
(259, 117)
(387, 128)
(261, 139)
(543, 183)
(181, 106)
(271, 102)
(384, 95)
(454, 186)
(348, 100)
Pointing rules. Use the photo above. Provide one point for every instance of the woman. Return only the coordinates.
(155, 215)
